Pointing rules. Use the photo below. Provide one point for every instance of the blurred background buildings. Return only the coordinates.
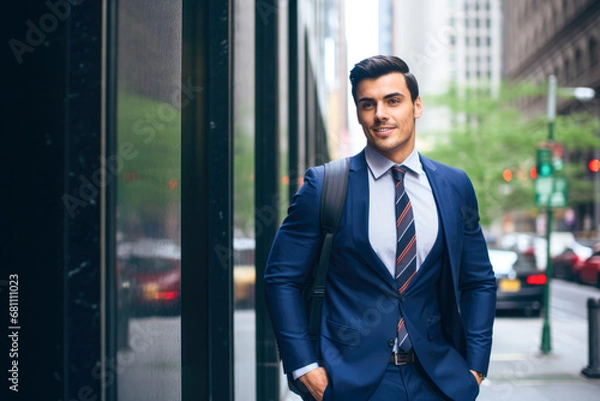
(560, 38)
(448, 42)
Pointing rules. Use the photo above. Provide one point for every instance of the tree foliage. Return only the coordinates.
(489, 134)
(149, 154)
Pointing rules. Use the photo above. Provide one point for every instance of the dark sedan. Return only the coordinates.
(520, 283)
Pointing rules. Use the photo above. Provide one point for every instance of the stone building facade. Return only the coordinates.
(560, 37)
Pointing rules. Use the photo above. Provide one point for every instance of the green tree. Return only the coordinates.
(490, 134)
(149, 177)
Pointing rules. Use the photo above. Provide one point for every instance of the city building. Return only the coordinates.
(558, 37)
(448, 42)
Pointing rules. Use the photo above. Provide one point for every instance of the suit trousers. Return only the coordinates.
(407, 383)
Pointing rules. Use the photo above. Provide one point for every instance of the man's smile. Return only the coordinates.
(383, 130)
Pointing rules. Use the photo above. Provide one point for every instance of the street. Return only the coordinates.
(518, 370)
(152, 364)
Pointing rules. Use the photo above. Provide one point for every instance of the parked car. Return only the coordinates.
(244, 280)
(527, 245)
(588, 271)
(150, 272)
(532, 244)
(520, 283)
(559, 241)
(563, 265)
(244, 272)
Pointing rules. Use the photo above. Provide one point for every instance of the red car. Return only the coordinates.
(150, 271)
(563, 265)
(588, 271)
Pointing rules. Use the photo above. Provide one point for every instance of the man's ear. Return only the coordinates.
(418, 107)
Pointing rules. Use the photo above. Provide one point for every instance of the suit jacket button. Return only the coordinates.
(391, 342)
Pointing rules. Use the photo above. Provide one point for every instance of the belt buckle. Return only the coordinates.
(396, 361)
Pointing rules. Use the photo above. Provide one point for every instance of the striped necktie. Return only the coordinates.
(406, 247)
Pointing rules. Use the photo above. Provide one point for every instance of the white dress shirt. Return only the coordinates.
(382, 212)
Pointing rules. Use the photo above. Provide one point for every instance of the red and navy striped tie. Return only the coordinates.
(406, 248)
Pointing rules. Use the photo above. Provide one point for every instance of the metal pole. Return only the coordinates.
(593, 368)
(546, 344)
(268, 368)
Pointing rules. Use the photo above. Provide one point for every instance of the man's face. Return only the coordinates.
(387, 115)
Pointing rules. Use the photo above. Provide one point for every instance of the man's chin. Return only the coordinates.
(383, 144)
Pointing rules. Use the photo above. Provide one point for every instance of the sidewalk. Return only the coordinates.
(520, 372)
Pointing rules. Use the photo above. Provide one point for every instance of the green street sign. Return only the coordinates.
(551, 192)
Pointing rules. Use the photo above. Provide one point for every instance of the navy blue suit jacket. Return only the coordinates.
(361, 308)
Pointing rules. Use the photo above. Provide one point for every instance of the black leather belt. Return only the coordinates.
(402, 358)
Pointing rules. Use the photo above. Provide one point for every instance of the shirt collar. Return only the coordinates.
(379, 164)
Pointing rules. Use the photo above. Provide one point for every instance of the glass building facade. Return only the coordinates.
(156, 148)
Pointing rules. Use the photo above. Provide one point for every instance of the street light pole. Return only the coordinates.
(546, 345)
(582, 94)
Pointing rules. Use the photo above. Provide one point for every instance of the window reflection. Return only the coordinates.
(148, 200)
(244, 273)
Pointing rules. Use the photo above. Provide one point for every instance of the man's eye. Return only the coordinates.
(394, 101)
(367, 105)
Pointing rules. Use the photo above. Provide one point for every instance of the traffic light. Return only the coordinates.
(544, 162)
(533, 173)
(594, 165)
(507, 174)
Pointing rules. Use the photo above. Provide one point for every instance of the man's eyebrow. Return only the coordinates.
(390, 95)
(365, 99)
(394, 94)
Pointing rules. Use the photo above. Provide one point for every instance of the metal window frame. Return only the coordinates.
(206, 192)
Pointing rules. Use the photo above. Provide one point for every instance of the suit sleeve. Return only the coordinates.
(477, 286)
(293, 254)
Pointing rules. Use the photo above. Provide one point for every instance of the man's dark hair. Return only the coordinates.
(376, 66)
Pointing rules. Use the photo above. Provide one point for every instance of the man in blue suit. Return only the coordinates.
(385, 334)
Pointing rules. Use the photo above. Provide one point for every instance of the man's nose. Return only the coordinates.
(380, 113)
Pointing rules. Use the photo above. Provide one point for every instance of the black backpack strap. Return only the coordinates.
(335, 184)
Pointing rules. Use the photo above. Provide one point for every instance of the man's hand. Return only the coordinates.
(477, 377)
(315, 381)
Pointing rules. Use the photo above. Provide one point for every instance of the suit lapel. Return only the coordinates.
(447, 210)
(358, 187)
